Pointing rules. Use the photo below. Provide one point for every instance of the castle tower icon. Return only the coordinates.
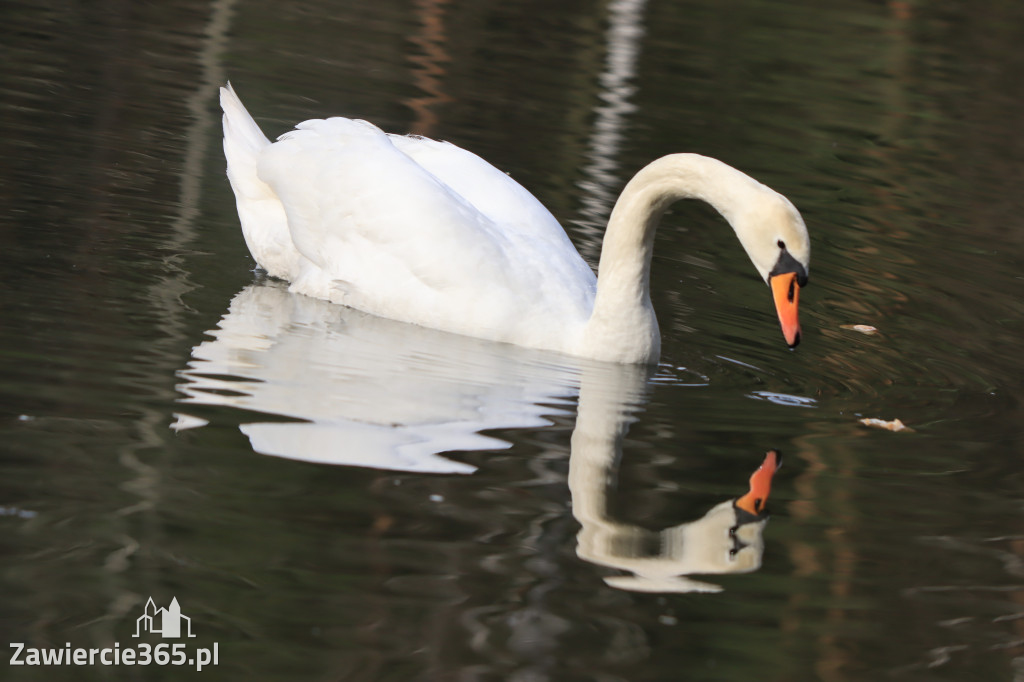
(165, 622)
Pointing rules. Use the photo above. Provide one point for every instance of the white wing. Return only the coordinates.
(424, 232)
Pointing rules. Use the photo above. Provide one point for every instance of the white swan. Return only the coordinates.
(425, 232)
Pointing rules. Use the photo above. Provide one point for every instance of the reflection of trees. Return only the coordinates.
(429, 66)
(103, 159)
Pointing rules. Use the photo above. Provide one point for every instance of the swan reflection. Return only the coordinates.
(359, 390)
(727, 539)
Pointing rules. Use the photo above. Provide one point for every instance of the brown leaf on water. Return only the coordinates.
(894, 425)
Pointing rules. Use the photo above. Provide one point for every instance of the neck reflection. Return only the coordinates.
(726, 539)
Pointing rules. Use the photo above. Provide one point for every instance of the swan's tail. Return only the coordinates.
(243, 142)
(264, 224)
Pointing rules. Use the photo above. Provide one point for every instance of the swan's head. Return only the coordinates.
(775, 237)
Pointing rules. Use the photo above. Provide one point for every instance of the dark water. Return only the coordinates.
(439, 508)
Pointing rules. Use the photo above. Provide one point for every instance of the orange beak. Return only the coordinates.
(760, 484)
(786, 293)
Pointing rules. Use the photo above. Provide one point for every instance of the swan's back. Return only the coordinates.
(408, 228)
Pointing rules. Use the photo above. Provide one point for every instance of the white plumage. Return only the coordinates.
(425, 232)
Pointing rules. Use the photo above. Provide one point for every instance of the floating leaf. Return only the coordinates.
(862, 328)
(894, 425)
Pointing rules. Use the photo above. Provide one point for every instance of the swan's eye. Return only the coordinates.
(782, 244)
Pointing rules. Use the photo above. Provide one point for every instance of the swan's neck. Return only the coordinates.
(622, 327)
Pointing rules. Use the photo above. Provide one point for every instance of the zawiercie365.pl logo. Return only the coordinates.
(168, 622)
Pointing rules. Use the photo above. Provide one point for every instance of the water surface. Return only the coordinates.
(331, 496)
